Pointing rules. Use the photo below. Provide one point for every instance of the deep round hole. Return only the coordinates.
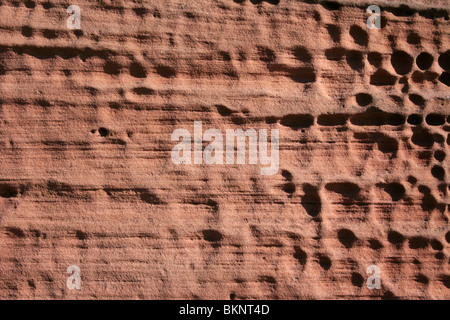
(438, 138)
(402, 62)
(444, 60)
(27, 31)
(418, 76)
(434, 119)
(438, 172)
(413, 38)
(436, 245)
(30, 4)
(47, 5)
(417, 99)
(103, 132)
(50, 34)
(439, 155)
(357, 279)
(424, 60)
(364, 99)
(375, 59)
(395, 238)
(445, 78)
(415, 119)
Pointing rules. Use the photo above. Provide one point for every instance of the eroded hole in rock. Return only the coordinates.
(297, 121)
(8, 191)
(402, 62)
(374, 244)
(436, 245)
(357, 279)
(418, 76)
(359, 35)
(332, 119)
(302, 54)
(395, 238)
(382, 77)
(355, 59)
(415, 119)
(324, 262)
(300, 255)
(331, 5)
(430, 75)
(403, 11)
(30, 4)
(346, 189)
(418, 242)
(395, 190)
(445, 279)
(439, 155)
(140, 12)
(150, 197)
(224, 111)
(302, 74)
(434, 119)
(47, 5)
(15, 232)
(335, 32)
(444, 60)
(166, 71)
(27, 31)
(424, 60)
(375, 59)
(438, 138)
(417, 100)
(137, 70)
(422, 137)
(335, 54)
(311, 200)
(266, 55)
(387, 144)
(445, 78)
(429, 202)
(421, 279)
(103, 131)
(112, 68)
(49, 34)
(212, 235)
(347, 238)
(377, 118)
(143, 91)
(363, 99)
(438, 172)
(287, 175)
(289, 188)
(413, 38)
(81, 235)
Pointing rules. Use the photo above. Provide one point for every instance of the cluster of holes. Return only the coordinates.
(372, 117)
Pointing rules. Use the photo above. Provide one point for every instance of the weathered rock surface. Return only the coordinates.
(86, 176)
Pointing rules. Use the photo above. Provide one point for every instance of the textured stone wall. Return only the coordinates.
(86, 176)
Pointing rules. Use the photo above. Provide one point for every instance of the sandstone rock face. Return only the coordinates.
(87, 179)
